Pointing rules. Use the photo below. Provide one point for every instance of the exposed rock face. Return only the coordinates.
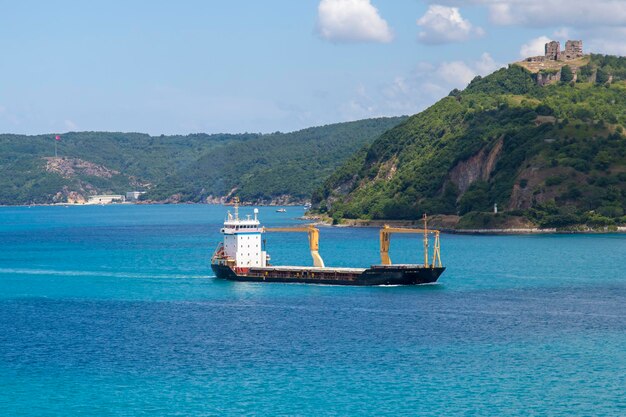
(138, 183)
(477, 167)
(75, 198)
(387, 171)
(77, 171)
(534, 191)
(282, 200)
(70, 197)
(522, 197)
(549, 77)
(544, 78)
(342, 189)
(173, 199)
(215, 199)
(347, 186)
(70, 167)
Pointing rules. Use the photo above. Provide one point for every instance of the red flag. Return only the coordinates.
(57, 137)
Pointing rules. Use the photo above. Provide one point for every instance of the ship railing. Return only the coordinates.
(218, 253)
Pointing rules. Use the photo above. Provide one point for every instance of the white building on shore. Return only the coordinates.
(106, 199)
(134, 195)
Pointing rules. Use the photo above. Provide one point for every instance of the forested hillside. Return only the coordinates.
(189, 168)
(94, 162)
(275, 167)
(552, 155)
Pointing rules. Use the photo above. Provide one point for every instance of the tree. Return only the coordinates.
(475, 199)
(566, 74)
(602, 77)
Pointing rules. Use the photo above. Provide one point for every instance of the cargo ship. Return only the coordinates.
(242, 257)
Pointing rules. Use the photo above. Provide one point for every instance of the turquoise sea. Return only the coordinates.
(113, 310)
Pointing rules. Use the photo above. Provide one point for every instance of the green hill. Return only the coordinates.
(94, 162)
(284, 167)
(190, 168)
(553, 156)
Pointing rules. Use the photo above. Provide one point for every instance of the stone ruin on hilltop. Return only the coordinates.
(548, 67)
(573, 50)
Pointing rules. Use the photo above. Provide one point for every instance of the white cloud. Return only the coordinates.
(442, 24)
(413, 92)
(605, 41)
(70, 125)
(562, 33)
(486, 65)
(534, 47)
(550, 13)
(459, 73)
(542, 13)
(351, 21)
(501, 14)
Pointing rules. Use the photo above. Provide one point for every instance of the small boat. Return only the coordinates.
(281, 210)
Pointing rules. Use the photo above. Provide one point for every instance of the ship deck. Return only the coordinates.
(375, 275)
(334, 269)
(308, 269)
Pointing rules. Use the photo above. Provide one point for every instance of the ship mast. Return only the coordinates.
(425, 240)
(385, 235)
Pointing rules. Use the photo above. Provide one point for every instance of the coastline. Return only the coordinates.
(442, 223)
(534, 231)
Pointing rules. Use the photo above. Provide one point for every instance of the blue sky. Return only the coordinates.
(236, 66)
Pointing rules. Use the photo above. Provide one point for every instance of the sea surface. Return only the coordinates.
(114, 310)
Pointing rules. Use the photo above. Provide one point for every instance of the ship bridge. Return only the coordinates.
(242, 247)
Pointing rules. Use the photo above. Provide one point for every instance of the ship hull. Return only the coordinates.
(373, 276)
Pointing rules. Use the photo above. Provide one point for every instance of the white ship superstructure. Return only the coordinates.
(243, 243)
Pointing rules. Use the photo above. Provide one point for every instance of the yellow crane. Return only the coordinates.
(314, 240)
(385, 241)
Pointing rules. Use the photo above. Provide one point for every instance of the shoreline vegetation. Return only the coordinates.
(446, 224)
